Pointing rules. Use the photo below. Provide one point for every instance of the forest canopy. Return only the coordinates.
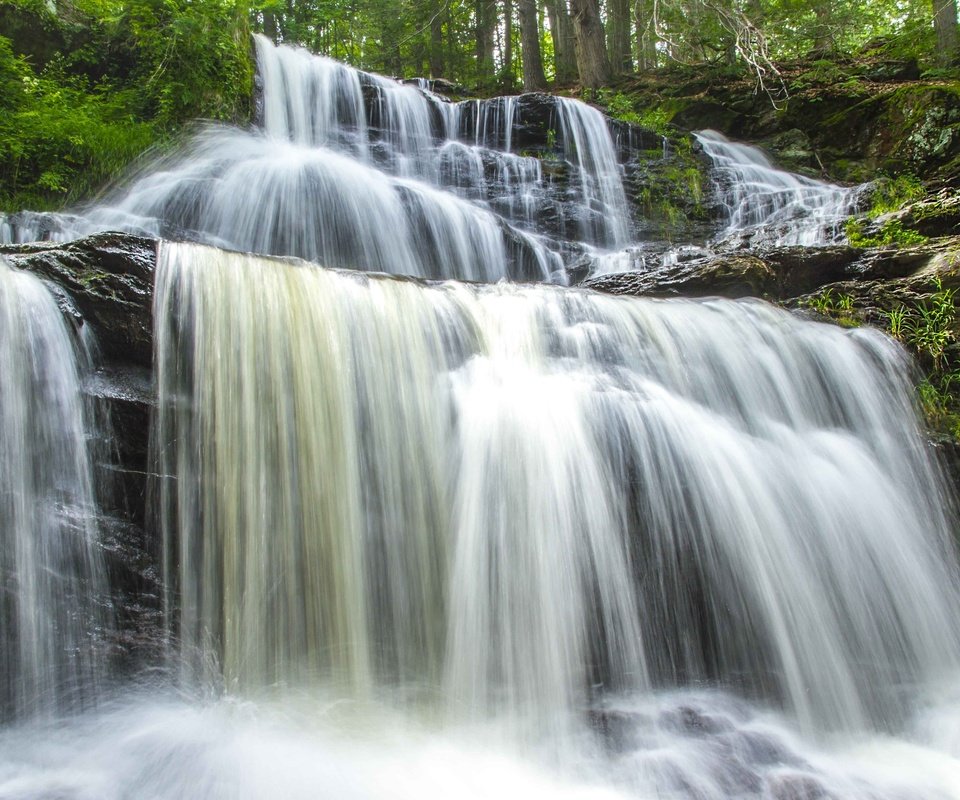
(87, 85)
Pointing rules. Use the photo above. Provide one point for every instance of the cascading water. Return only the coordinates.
(54, 605)
(454, 540)
(448, 540)
(566, 443)
(355, 170)
(778, 207)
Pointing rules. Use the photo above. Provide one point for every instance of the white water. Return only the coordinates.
(52, 584)
(457, 540)
(776, 206)
(471, 541)
(356, 170)
(464, 541)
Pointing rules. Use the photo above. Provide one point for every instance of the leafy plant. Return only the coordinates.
(891, 233)
(836, 305)
(891, 194)
(621, 106)
(928, 328)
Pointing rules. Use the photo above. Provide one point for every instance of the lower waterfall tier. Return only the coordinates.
(513, 498)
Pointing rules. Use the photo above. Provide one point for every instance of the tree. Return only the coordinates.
(506, 69)
(533, 77)
(485, 21)
(618, 35)
(561, 31)
(945, 25)
(591, 48)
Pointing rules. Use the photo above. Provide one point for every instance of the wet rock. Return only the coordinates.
(733, 276)
(693, 722)
(617, 729)
(802, 269)
(793, 150)
(796, 786)
(126, 395)
(761, 749)
(933, 216)
(109, 279)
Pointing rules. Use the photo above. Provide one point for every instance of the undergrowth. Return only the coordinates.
(928, 328)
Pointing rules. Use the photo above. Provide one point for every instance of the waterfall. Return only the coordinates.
(779, 207)
(53, 602)
(511, 494)
(424, 538)
(359, 171)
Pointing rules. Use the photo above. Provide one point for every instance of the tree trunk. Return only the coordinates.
(486, 20)
(533, 78)
(436, 46)
(646, 35)
(506, 73)
(945, 25)
(590, 45)
(618, 35)
(272, 30)
(561, 31)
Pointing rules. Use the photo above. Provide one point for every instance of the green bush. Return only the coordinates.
(128, 76)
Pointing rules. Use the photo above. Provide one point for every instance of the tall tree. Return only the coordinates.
(561, 31)
(618, 35)
(506, 70)
(533, 77)
(485, 21)
(436, 44)
(591, 47)
(646, 34)
(945, 25)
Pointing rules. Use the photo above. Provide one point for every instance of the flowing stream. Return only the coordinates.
(426, 538)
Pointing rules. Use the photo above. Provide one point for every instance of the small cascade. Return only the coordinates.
(774, 206)
(587, 141)
(53, 603)
(606, 495)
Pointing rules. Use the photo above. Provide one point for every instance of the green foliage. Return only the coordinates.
(891, 194)
(194, 57)
(929, 329)
(838, 306)
(891, 234)
(621, 106)
(63, 141)
(83, 93)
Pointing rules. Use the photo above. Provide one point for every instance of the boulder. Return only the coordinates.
(109, 279)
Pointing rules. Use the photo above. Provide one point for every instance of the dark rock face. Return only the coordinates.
(732, 276)
(788, 274)
(109, 279)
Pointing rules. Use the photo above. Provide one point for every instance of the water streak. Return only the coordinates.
(52, 602)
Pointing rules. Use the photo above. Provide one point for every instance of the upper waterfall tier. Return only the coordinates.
(361, 171)
(517, 492)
